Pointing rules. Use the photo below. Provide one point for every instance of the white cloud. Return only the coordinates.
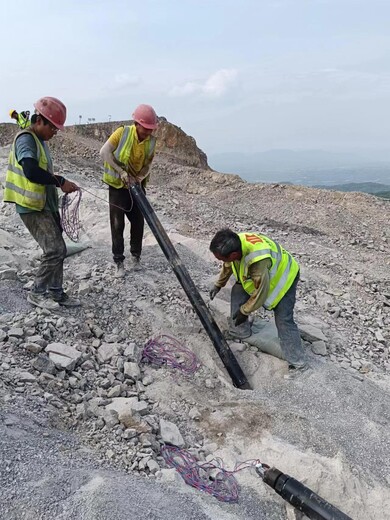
(214, 86)
(122, 81)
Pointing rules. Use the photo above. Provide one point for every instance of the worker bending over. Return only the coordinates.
(266, 275)
(22, 118)
(127, 156)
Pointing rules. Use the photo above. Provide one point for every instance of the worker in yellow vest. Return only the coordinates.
(127, 155)
(266, 275)
(22, 118)
(32, 186)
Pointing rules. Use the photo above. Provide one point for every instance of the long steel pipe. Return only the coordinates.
(205, 316)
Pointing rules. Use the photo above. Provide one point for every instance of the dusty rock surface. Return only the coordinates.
(83, 420)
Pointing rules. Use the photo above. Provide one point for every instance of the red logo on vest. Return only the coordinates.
(253, 239)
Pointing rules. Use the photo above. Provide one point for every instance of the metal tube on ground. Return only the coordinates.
(205, 316)
(301, 497)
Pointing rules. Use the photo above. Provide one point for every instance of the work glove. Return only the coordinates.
(239, 318)
(213, 292)
(127, 178)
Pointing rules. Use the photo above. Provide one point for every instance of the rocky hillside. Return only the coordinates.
(83, 418)
(83, 142)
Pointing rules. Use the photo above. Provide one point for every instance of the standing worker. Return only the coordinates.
(267, 275)
(23, 119)
(127, 156)
(31, 185)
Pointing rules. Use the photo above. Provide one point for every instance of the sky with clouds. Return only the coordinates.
(237, 76)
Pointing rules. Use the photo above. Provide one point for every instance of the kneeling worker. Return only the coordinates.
(267, 275)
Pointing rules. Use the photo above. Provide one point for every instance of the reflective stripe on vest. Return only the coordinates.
(122, 154)
(23, 122)
(18, 188)
(283, 271)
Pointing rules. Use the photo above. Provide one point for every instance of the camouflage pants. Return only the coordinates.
(45, 228)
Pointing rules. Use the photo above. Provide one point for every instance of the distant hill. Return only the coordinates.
(373, 188)
(307, 167)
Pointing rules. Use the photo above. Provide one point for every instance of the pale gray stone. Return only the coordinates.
(8, 274)
(33, 347)
(38, 339)
(194, 414)
(64, 356)
(16, 332)
(170, 433)
(356, 364)
(98, 332)
(130, 350)
(319, 348)
(311, 333)
(168, 475)
(140, 407)
(132, 370)
(237, 347)
(122, 405)
(26, 377)
(84, 288)
(43, 364)
(110, 417)
(147, 380)
(115, 391)
(107, 351)
(153, 466)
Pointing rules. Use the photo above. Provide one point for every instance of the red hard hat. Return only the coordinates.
(146, 116)
(53, 110)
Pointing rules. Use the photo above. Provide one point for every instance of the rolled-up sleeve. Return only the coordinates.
(259, 274)
(224, 275)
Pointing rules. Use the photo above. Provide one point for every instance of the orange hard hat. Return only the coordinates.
(53, 110)
(146, 116)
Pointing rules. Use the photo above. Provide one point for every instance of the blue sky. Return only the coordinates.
(237, 76)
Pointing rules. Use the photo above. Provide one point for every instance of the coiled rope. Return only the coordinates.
(165, 350)
(210, 477)
(70, 216)
(70, 211)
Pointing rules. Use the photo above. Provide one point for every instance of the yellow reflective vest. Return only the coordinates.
(23, 122)
(283, 271)
(18, 188)
(122, 154)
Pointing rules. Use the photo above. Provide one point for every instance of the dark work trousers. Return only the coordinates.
(289, 336)
(121, 204)
(45, 228)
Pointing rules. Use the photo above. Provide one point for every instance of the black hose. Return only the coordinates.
(205, 316)
(301, 497)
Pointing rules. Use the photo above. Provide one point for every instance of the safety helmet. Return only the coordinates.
(11, 112)
(53, 110)
(146, 116)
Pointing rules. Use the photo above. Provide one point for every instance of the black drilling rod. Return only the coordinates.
(207, 320)
(301, 497)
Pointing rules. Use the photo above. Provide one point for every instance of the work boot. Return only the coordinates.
(120, 270)
(42, 301)
(296, 371)
(67, 301)
(135, 263)
(241, 332)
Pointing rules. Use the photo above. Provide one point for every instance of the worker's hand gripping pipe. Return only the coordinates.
(205, 316)
(300, 496)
